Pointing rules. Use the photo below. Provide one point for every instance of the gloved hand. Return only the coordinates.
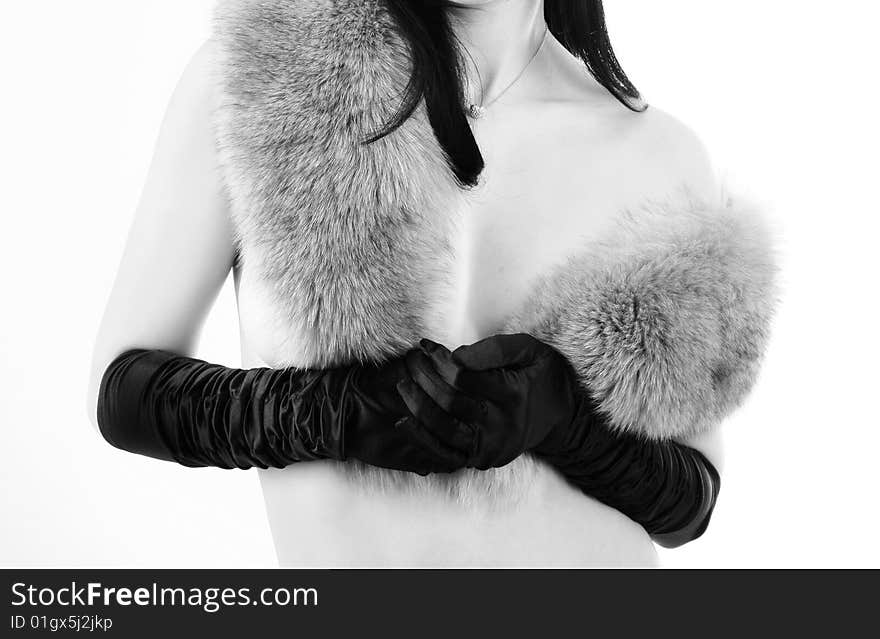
(381, 431)
(514, 393)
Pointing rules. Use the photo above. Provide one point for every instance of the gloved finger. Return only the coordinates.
(441, 458)
(452, 400)
(496, 384)
(430, 346)
(441, 357)
(444, 426)
(500, 351)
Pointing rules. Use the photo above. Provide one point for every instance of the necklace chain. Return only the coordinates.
(476, 111)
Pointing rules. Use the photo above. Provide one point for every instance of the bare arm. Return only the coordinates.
(180, 246)
(684, 160)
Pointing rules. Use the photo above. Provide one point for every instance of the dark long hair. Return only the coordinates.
(437, 70)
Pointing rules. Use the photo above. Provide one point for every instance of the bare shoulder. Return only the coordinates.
(669, 152)
(197, 82)
(651, 148)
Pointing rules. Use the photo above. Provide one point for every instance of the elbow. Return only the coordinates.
(706, 496)
(684, 536)
(101, 398)
(101, 367)
(91, 404)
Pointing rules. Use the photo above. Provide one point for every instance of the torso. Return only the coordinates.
(557, 173)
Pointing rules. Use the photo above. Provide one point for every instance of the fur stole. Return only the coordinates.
(665, 319)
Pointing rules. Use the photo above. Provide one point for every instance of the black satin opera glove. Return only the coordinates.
(519, 395)
(185, 410)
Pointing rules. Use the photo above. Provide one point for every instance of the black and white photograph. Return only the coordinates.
(472, 284)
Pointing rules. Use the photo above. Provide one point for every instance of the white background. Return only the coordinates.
(784, 94)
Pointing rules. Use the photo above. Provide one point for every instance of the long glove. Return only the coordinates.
(519, 395)
(185, 410)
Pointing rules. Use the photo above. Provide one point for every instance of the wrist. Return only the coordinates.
(570, 439)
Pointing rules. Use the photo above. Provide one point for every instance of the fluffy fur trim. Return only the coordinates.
(666, 318)
(349, 239)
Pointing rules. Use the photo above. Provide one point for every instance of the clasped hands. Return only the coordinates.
(480, 406)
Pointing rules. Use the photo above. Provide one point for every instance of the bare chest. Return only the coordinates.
(548, 188)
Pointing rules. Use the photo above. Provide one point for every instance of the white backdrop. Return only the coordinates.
(780, 90)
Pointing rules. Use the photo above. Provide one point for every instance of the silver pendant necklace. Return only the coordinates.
(476, 111)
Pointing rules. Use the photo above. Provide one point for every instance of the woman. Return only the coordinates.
(365, 205)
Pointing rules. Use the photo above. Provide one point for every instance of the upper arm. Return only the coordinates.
(682, 161)
(180, 245)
